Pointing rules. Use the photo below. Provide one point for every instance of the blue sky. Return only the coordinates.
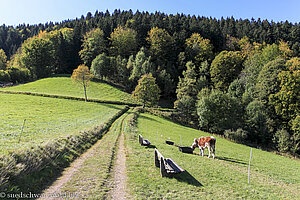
(14, 12)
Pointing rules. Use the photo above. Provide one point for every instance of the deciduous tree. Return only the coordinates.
(123, 42)
(101, 66)
(199, 49)
(218, 112)
(140, 65)
(225, 68)
(161, 44)
(93, 45)
(3, 59)
(256, 119)
(147, 91)
(37, 54)
(82, 76)
(286, 100)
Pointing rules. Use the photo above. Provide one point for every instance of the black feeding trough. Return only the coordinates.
(182, 149)
(186, 149)
(169, 142)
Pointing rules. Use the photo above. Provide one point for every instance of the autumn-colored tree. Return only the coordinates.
(246, 47)
(286, 100)
(232, 43)
(285, 49)
(225, 68)
(161, 44)
(123, 42)
(147, 91)
(199, 49)
(82, 76)
(37, 54)
(93, 45)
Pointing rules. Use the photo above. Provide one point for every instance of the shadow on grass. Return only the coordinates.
(150, 146)
(148, 118)
(112, 106)
(188, 178)
(232, 160)
(227, 159)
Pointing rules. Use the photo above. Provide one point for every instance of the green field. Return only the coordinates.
(65, 87)
(46, 118)
(272, 176)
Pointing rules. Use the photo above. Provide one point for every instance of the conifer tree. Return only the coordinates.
(187, 90)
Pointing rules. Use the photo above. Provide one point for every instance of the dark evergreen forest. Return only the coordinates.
(180, 26)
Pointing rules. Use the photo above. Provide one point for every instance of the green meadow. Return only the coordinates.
(65, 87)
(226, 177)
(46, 119)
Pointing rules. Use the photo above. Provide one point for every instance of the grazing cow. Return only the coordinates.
(205, 142)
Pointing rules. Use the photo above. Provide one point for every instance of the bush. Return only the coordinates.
(282, 140)
(19, 75)
(239, 135)
(4, 76)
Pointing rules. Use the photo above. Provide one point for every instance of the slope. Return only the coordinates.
(272, 176)
(63, 86)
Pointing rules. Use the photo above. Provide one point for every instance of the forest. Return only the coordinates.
(237, 78)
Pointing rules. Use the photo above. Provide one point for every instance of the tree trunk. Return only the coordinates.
(84, 87)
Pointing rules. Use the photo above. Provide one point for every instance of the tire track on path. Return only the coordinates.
(119, 190)
(55, 189)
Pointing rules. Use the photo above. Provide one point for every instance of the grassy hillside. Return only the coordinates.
(64, 86)
(46, 118)
(272, 176)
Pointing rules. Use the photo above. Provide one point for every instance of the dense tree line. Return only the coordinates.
(180, 26)
(234, 77)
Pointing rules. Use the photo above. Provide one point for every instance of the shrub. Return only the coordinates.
(4, 76)
(282, 140)
(239, 135)
(19, 75)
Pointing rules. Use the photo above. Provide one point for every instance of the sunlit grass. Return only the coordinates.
(272, 176)
(65, 87)
(46, 118)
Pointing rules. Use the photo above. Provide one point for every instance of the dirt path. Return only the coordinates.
(119, 190)
(54, 189)
(119, 174)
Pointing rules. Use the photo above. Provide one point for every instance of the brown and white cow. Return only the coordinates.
(205, 142)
